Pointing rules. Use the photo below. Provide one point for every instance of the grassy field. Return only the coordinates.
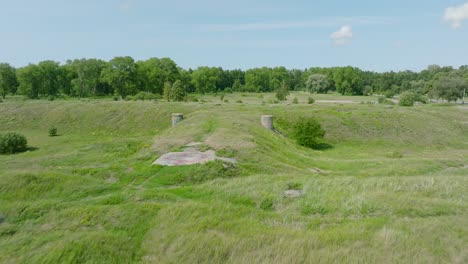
(392, 188)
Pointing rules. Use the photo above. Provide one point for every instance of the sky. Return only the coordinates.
(372, 35)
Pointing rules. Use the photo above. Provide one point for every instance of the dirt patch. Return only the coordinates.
(189, 156)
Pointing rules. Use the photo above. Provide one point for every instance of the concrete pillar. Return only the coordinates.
(176, 118)
(267, 121)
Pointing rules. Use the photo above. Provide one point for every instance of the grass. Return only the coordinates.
(392, 187)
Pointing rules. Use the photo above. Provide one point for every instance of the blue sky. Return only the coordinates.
(372, 35)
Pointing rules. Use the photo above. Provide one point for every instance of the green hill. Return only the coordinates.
(391, 188)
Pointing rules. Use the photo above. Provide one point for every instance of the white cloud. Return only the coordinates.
(455, 15)
(342, 36)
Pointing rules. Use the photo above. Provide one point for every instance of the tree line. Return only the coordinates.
(123, 76)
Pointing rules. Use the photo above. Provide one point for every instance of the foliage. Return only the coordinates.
(8, 80)
(267, 203)
(310, 100)
(295, 100)
(52, 131)
(450, 88)
(408, 99)
(146, 96)
(167, 91)
(308, 132)
(282, 92)
(11, 143)
(178, 92)
(317, 83)
(121, 74)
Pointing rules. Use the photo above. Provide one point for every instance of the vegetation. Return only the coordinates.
(308, 133)
(395, 178)
(52, 132)
(11, 143)
(123, 76)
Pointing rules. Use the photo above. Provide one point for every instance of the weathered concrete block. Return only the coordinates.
(267, 121)
(176, 118)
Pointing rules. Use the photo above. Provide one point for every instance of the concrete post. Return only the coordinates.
(176, 118)
(267, 121)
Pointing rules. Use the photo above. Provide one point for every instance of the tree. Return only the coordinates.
(450, 88)
(88, 74)
(282, 92)
(49, 75)
(205, 79)
(237, 86)
(30, 81)
(8, 81)
(178, 92)
(317, 83)
(258, 80)
(121, 74)
(167, 91)
(154, 72)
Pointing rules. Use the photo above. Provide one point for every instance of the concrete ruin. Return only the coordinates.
(176, 118)
(190, 156)
(267, 122)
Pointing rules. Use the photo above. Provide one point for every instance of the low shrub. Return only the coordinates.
(52, 131)
(226, 100)
(239, 101)
(408, 99)
(51, 98)
(295, 100)
(13, 143)
(267, 203)
(115, 98)
(308, 133)
(310, 100)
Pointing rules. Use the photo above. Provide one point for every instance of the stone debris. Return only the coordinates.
(190, 156)
(292, 193)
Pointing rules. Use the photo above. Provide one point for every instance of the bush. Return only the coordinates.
(228, 90)
(12, 143)
(222, 97)
(310, 100)
(115, 98)
(267, 204)
(52, 132)
(51, 98)
(239, 101)
(308, 133)
(295, 101)
(408, 99)
(226, 100)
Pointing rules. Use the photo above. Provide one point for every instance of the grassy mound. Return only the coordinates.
(395, 178)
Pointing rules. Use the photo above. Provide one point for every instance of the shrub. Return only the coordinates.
(12, 143)
(267, 204)
(226, 100)
(222, 97)
(115, 98)
(295, 101)
(310, 100)
(294, 186)
(239, 101)
(308, 133)
(228, 90)
(52, 132)
(51, 98)
(408, 99)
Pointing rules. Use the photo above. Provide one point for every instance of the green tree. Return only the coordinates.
(178, 92)
(30, 81)
(49, 75)
(450, 88)
(88, 74)
(167, 91)
(258, 80)
(121, 74)
(205, 79)
(8, 81)
(282, 92)
(154, 72)
(317, 83)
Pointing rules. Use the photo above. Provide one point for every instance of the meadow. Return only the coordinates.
(390, 187)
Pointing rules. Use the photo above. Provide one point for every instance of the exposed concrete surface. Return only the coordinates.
(191, 155)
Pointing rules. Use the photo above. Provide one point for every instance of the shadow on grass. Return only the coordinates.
(323, 146)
